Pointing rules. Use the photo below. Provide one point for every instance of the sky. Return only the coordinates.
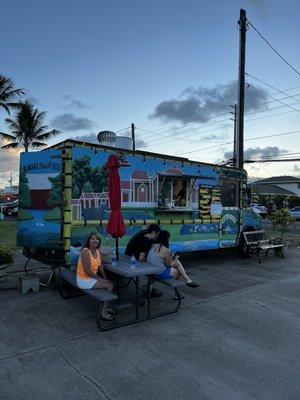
(168, 66)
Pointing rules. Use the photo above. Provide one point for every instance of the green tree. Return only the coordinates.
(88, 179)
(24, 191)
(76, 192)
(281, 219)
(81, 173)
(87, 187)
(55, 196)
(27, 128)
(7, 93)
(100, 179)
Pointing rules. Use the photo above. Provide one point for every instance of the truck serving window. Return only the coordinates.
(173, 192)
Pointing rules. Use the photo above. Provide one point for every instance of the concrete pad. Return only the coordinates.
(235, 337)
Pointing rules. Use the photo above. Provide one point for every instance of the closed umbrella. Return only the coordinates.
(115, 226)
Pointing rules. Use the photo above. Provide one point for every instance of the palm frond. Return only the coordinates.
(5, 106)
(47, 135)
(7, 136)
(15, 106)
(38, 144)
(13, 145)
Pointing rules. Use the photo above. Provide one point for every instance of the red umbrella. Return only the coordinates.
(115, 226)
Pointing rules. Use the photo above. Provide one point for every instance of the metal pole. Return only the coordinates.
(241, 89)
(234, 157)
(133, 136)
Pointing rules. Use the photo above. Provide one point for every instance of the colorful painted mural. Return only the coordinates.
(199, 204)
(40, 197)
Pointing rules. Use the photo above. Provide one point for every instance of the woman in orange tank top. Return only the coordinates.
(90, 274)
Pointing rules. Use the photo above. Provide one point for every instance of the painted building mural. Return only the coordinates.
(196, 203)
(40, 197)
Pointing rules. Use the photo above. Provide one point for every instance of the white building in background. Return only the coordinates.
(277, 185)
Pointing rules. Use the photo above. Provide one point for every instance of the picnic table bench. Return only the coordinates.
(258, 241)
(101, 295)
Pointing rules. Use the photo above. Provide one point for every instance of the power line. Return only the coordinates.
(270, 86)
(273, 48)
(258, 137)
(167, 136)
(155, 133)
(271, 97)
(124, 129)
(271, 160)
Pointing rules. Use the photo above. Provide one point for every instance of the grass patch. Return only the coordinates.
(24, 215)
(54, 214)
(8, 233)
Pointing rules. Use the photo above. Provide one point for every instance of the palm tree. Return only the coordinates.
(27, 128)
(8, 93)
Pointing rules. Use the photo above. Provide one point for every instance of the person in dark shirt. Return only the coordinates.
(140, 244)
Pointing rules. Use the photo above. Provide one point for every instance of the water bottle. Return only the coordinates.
(113, 258)
(132, 262)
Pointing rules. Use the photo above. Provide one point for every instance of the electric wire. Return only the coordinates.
(273, 48)
(270, 86)
(175, 134)
(124, 129)
(271, 97)
(249, 139)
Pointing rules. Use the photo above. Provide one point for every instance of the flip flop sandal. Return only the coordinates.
(155, 293)
(192, 284)
(108, 318)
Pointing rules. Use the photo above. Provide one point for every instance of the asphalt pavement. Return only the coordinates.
(236, 337)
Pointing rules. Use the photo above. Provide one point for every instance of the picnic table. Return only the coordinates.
(123, 269)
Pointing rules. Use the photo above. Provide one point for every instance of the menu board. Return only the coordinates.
(210, 202)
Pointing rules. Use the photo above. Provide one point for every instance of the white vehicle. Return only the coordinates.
(259, 209)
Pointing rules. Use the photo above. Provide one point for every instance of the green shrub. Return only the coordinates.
(6, 256)
(281, 219)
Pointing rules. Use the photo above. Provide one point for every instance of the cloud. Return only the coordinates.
(74, 103)
(69, 122)
(140, 144)
(258, 153)
(201, 104)
(9, 162)
(89, 138)
(79, 104)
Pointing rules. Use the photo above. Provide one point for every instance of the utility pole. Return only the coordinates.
(133, 136)
(234, 158)
(241, 89)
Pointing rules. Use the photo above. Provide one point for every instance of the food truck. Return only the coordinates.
(63, 196)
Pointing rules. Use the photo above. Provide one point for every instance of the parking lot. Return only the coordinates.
(235, 337)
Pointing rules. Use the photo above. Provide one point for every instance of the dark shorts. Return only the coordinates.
(166, 274)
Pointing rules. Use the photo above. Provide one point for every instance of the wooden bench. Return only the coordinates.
(101, 295)
(258, 241)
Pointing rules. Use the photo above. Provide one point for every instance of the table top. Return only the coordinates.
(123, 268)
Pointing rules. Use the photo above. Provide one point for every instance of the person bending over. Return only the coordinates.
(160, 255)
(140, 244)
(90, 273)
